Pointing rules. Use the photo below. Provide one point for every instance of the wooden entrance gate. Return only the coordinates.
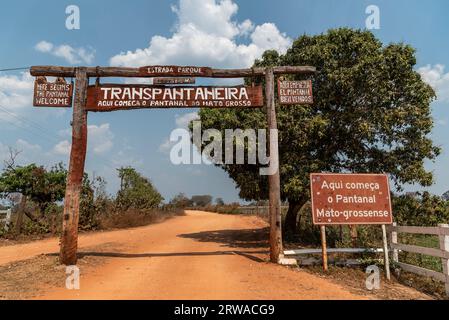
(69, 237)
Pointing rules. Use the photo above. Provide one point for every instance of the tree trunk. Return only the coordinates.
(292, 214)
(20, 213)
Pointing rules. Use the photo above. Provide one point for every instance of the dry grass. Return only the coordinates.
(136, 218)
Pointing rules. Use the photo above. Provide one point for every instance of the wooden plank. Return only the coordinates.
(324, 248)
(350, 199)
(394, 240)
(340, 262)
(48, 94)
(274, 183)
(172, 80)
(69, 237)
(332, 250)
(444, 246)
(386, 253)
(112, 97)
(57, 71)
(422, 271)
(417, 230)
(295, 92)
(175, 71)
(421, 250)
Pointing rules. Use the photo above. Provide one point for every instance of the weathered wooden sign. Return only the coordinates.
(48, 94)
(175, 71)
(159, 81)
(350, 199)
(110, 97)
(295, 92)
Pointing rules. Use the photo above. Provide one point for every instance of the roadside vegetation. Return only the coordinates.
(35, 194)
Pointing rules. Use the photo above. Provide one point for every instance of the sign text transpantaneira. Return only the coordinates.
(119, 97)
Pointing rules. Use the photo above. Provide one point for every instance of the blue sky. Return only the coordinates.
(190, 32)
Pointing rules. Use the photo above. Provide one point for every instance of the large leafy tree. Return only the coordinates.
(371, 113)
(136, 191)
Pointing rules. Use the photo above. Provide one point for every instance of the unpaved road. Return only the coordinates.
(198, 256)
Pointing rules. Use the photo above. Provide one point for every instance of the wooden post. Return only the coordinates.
(273, 179)
(69, 237)
(386, 254)
(444, 246)
(8, 219)
(324, 248)
(20, 214)
(394, 240)
(354, 235)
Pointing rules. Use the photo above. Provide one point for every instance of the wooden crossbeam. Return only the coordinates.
(68, 72)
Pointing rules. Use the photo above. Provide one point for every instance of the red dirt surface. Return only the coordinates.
(200, 255)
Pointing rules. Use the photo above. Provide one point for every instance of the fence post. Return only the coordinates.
(394, 241)
(444, 246)
(386, 253)
(8, 219)
(274, 182)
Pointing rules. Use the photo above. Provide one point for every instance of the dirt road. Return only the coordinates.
(198, 256)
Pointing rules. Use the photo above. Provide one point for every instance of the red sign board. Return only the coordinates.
(110, 97)
(175, 71)
(350, 199)
(48, 94)
(173, 80)
(295, 92)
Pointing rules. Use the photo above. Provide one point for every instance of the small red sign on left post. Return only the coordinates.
(52, 94)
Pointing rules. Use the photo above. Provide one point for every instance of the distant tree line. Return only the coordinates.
(182, 201)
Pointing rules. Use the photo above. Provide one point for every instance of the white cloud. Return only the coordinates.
(437, 79)
(206, 34)
(62, 148)
(16, 92)
(66, 52)
(44, 46)
(29, 153)
(100, 140)
(166, 146)
(182, 121)
(25, 145)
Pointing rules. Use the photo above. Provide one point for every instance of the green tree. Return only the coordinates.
(219, 202)
(180, 201)
(202, 200)
(38, 184)
(136, 191)
(420, 209)
(43, 187)
(371, 113)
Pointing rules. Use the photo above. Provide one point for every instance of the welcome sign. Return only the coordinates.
(123, 97)
(350, 199)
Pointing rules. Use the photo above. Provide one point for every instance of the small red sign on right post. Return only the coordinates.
(350, 199)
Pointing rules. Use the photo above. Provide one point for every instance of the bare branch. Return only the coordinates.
(10, 163)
